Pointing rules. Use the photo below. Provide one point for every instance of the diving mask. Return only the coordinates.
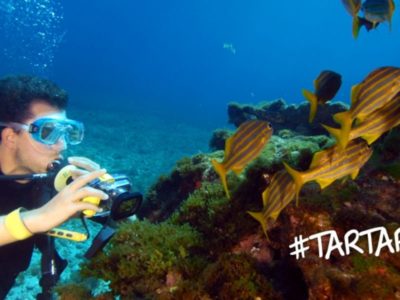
(48, 130)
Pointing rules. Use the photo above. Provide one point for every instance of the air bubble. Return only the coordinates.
(32, 31)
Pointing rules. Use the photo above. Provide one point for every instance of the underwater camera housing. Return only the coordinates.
(121, 203)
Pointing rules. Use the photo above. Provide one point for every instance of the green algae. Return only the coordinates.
(140, 255)
(392, 169)
(376, 280)
(73, 291)
(219, 220)
(234, 276)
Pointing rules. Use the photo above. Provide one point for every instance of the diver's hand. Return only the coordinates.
(65, 204)
(83, 166)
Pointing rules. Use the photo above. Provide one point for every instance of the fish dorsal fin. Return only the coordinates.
(319, 158)
(323, 183)
(228, 146)
(355, 90)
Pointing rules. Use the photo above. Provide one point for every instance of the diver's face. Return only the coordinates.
(31, 155)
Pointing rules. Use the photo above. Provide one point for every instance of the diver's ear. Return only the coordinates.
(8, 137)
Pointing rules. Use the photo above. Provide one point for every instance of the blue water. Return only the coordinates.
(183, 61)
(168, 57)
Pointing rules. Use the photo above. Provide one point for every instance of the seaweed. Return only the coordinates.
(140, 256)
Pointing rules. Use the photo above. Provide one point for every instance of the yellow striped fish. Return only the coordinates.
(331, 164)
(378, 11)
(376, 124)
(326, 86)
(353, 7)
(375, 91)
(242, 147)
(276, 197)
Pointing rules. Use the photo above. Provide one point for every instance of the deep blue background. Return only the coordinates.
(168, 55)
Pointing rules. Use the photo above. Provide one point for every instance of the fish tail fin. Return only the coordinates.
(219, 168)
(298, 180)
(335, 133)
(312, 98)
(356, 26)
(345, 121)
(260, 218)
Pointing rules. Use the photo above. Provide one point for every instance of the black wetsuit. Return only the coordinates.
(16, 257)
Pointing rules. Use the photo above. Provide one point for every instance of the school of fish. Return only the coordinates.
(373, 12)
(374, 110)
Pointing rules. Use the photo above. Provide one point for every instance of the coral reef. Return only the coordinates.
(195, 243)
(218, 138)
(142, 256)
(234, 276)
(165, 196)
(169, 191)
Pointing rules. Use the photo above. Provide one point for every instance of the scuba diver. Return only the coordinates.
(34, 131)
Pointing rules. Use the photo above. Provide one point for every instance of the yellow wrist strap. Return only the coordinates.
(15, 226)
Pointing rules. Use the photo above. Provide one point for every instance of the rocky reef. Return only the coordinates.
(287, 120)
(191, 242)
(282, 116)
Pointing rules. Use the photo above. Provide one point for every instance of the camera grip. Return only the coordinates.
(94, 200)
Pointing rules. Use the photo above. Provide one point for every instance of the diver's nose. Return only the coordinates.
(61, 144)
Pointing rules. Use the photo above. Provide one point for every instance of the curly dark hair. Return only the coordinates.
(17, 92)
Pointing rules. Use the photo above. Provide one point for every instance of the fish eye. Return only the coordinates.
(269, 125)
